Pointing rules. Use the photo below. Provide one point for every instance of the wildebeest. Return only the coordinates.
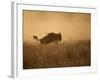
(49, 38)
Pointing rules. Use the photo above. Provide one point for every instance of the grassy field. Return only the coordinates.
(65, 54)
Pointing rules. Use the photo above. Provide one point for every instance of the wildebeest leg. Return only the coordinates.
(58, 52)
(41, 56)
(56, 42)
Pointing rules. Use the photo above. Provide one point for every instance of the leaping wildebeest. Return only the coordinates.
(49, 38)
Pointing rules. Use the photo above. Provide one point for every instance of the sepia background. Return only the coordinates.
(73, 26)
(72, 51)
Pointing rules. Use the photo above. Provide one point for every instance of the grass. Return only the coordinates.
(65, 54)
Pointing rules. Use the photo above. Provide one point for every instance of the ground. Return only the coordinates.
(65, 54)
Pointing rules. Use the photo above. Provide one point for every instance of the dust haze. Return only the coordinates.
(73, 26)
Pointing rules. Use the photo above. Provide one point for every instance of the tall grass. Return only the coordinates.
(64, 54)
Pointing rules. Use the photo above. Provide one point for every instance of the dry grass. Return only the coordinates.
(62, 55)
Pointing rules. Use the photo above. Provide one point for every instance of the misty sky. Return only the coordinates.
(73, 26)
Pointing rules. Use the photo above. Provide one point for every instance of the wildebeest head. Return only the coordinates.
(35, 37)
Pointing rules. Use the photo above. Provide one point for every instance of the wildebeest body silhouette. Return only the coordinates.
(49, 38)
